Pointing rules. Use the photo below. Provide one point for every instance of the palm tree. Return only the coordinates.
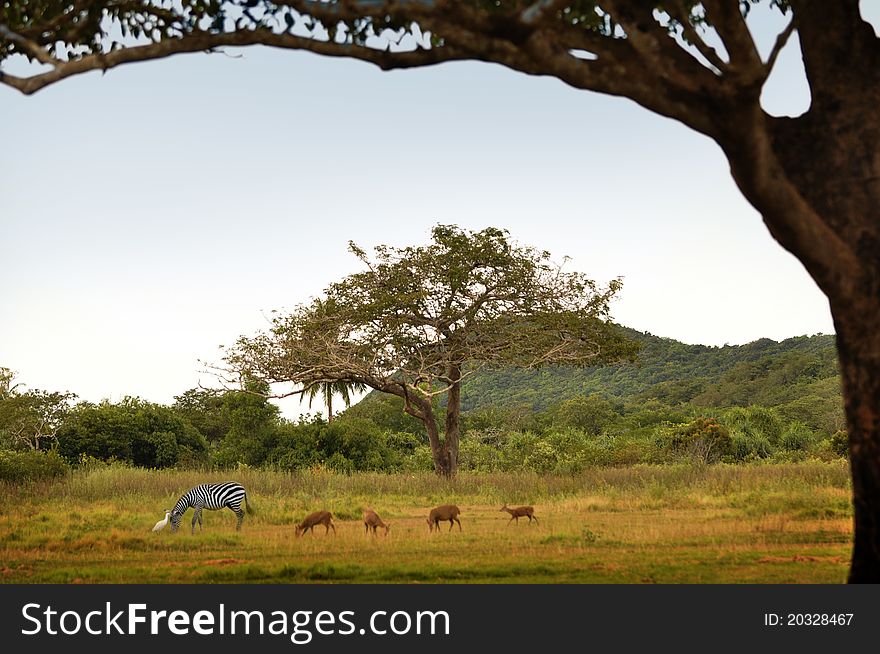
(329, 389)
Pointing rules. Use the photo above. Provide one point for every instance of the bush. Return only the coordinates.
(702, 439)
(478, 456)
(421, 460)
(590, 414)
(136, 431)
(747, 446)
(756, 421)
(797, 437)
(840, 442)
(19, 467)
(348, 444)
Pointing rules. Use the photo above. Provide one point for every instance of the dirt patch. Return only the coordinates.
(801, 558)
(223, 561)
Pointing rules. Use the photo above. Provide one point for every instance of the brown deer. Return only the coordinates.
(445, 512)
(518, 512)
(372, 520)
(317, 518)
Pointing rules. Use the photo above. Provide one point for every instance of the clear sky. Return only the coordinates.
(151, 214)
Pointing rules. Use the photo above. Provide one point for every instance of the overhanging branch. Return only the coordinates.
(207, 42)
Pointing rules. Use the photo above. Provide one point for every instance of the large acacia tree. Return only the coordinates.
(418, 321)
(814, 178)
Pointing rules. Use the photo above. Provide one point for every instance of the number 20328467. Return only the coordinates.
(808, 619)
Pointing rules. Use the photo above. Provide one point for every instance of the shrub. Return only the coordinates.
(348, 444)
(747, 446)
(840, 442)
(478, 456)
(796, 437)
(702, 439)
(19, 467)
(140, 432)
(590, 414)
(755, 420)
(421, 460)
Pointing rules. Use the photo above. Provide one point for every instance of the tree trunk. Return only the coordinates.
(329, 408)
(859, 351)
(444, 452)
(453, 419)
(826, 215)
(444, 464)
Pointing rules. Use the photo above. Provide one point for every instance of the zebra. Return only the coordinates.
(212, 497)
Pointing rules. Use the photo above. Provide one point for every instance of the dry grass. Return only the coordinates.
(672, 524)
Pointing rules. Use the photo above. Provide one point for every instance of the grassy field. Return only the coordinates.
(671, 524)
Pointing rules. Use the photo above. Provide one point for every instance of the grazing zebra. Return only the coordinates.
(212, 497)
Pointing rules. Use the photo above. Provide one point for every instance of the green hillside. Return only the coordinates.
(764, 372)
(796, 377)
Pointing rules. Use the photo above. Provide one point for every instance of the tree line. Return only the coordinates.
(207, 429)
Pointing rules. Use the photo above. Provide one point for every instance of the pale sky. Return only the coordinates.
(151, 214)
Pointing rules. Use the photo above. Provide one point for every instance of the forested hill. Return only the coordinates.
(764, 372)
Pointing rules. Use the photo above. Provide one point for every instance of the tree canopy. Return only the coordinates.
(420, 320)
(30, 419)
(538, 37)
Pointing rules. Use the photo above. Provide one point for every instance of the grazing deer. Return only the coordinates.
(518, 512)
(372, 520)
(445, 512)
(317, 518)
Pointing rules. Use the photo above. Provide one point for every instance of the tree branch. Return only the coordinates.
(727, 19)
(840, 51)
(680, 13)
(204, 41)
(781, 41)
(30, 47)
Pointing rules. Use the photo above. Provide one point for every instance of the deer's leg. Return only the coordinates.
(509, 521)
(459, 524)
(333, 527)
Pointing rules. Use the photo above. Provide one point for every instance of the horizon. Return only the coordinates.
(318, 409)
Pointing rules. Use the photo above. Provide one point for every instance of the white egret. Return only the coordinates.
(161, 524)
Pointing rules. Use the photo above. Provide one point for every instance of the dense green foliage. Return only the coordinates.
(30, 465)
(762, 401)
(763, 372)
(133, 430)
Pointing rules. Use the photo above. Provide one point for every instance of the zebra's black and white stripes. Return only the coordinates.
(212, 497)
